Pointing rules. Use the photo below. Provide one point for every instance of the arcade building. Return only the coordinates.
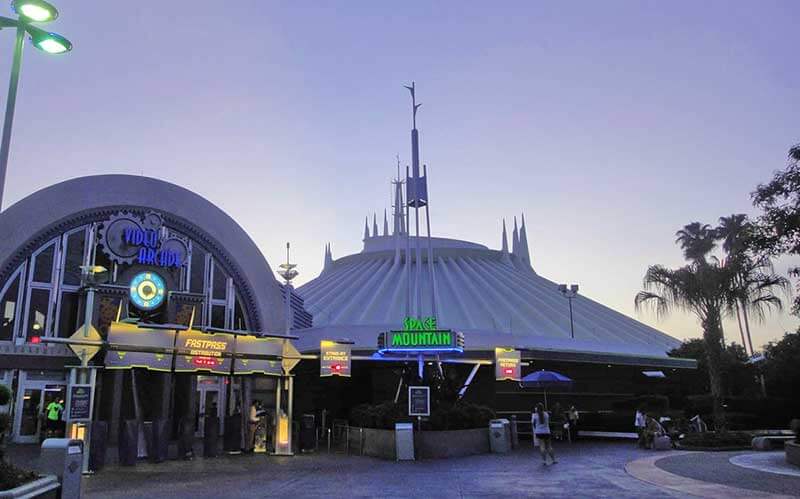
(178, 272)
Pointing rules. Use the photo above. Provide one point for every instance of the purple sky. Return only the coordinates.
(609, 124)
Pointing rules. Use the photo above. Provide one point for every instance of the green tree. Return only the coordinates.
(782, 366)
(738, 376)
(705, 290)
(777, 230)
(696, 240)
(756, 285)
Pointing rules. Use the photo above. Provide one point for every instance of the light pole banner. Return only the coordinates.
(334, 359)
(507, 364)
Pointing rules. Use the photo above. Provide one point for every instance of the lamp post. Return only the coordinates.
(283, 419)
(569, 294)
(29, 11)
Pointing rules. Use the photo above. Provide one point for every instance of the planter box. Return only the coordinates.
(45, 487)
(454, 443)
(792, 453)
(427, 444)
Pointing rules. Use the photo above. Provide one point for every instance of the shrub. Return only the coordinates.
(712, 439)
(457, 416)
(11, 476)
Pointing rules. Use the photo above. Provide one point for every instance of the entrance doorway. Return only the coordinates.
(36, 392)
(212, 400)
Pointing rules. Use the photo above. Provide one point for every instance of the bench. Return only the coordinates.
(607, 434)
(770, 442)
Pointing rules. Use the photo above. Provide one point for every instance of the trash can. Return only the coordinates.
(157, 439)
(308, 433)
(500, 435)
(63, 457)
(404, 441)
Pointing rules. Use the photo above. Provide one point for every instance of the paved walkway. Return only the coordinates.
(586, 469)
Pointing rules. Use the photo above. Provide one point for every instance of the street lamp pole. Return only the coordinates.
(29, 12)
(569, 293)
(10, 106)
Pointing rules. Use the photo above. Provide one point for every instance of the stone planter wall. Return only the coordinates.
(792, 453)
(43, 488)
(455, 443)
(427, 444)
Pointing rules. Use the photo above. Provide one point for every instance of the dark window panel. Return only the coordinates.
(220, 282)
(74, 258)
(198, 269)
(68, 315)
(43, 266)
(37, 313)
(8, 311)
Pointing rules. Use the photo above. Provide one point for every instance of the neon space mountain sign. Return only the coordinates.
(419, 336)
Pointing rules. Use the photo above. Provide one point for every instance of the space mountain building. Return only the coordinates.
(492, 298)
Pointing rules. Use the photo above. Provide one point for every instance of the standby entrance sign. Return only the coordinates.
(419, 401)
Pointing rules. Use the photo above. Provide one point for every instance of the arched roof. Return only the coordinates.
(495, 296)
(57, 208)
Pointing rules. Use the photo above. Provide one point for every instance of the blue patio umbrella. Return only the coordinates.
(544, 380)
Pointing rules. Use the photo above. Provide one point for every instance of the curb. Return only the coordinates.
(645, 469)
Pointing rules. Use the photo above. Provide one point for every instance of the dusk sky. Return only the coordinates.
(609, 124)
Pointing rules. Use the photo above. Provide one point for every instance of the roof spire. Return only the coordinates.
(515, 239)
(328, 261)
(385, 223)
(523, 243)
(366, 228)
(504, 249)
(374, 225)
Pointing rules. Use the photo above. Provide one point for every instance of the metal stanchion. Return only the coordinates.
(346, 440)
(361, 441)
(329, 440)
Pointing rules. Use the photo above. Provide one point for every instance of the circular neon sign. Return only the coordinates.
(147, 290)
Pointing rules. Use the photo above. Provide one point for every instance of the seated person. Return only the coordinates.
(652, 430)
(697, 425)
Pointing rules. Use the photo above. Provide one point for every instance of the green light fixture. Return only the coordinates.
(49, 42)
(37, 11)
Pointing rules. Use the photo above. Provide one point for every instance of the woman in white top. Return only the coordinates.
(540, 420)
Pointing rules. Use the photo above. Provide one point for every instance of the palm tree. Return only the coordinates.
(696, 240)
(705, 290)
(755, 278)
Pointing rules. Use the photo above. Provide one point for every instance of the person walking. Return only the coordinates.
(54, 410)
(540, 420)
(639, 422)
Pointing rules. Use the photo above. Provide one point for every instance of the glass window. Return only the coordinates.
(218, 316)
(37, 313)
(8, 311)
(198, 269)
(239, 321)
(220, 282)
(102, 260)
(74, 258)
(68, 315)
(43, 266)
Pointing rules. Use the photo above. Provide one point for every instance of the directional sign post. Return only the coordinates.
(334, 359)
(507, 363)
